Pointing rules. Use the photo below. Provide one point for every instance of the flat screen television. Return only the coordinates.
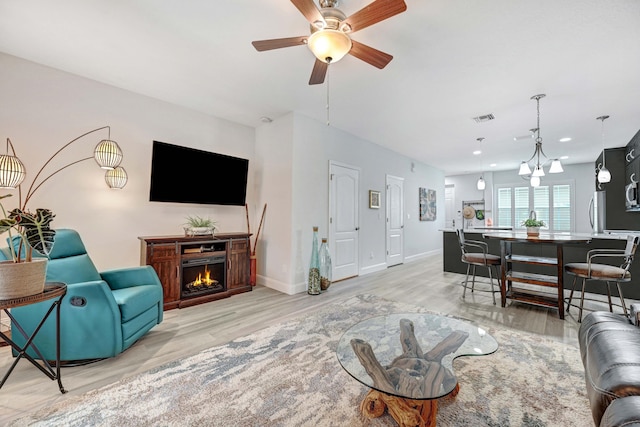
(187, 175)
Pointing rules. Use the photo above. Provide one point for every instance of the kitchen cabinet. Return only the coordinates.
(632, 174)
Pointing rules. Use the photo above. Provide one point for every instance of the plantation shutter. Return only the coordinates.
(504, 207)
(521, 205)
(562, 207)
(541, 204)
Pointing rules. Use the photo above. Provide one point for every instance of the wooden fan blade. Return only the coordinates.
(319, 72)
(375, 12)
(309, 9)
(370, 55)
(262, 45)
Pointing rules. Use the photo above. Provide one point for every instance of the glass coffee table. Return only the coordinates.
(407, 361)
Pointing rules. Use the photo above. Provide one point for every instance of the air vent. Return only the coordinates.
(485, 118)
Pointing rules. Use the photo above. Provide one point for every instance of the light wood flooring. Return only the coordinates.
(187, 331)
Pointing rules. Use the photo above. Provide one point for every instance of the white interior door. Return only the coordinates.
(343, 220)
(395, 220)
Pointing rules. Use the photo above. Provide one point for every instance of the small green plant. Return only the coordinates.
(195, 221)
(33, 231)
(533, 223)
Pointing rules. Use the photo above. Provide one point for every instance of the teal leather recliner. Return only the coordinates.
(101, 315)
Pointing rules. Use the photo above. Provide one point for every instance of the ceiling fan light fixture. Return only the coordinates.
(329, 45)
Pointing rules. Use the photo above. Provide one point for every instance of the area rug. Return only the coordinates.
(288, 375)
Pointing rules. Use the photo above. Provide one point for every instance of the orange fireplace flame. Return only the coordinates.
(204, 280)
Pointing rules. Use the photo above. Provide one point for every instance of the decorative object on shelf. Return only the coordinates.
(325, 265)
(198, 226)
(374, 199)
(252, 251)
(538, 170)
(313, 284)
(468, 212)
(533, 224)
(427, 201)
(481, 184)
(604, 175)
(22, 276)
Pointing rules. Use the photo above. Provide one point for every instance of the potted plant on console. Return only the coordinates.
(197, 225)
(21, 274)
(533, 226)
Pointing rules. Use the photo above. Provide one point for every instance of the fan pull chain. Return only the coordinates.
(328, 80)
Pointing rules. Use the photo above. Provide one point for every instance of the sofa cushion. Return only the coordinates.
(136, 300)
(75, 269)
(622, 412)
(610, 349)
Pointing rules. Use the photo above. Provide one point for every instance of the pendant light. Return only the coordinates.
(604, 175)
(538, 167)
(481, 184)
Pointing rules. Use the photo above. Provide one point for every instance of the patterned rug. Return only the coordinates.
(288, 375)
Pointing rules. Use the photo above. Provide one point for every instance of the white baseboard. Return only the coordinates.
(373, 268)
(285, 288)
(423, 255)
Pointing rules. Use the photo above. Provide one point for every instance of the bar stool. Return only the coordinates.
(604, 272)
(476, 253)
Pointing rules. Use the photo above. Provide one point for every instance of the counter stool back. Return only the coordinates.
(476, 253)
(604, 272)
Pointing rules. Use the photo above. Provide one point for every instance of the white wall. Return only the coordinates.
(274, 155)
(43, 109)
(288, 169)
(314, 145)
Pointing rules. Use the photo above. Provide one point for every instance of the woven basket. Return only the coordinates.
(19, 280)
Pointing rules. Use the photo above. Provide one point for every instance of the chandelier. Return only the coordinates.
(538, 153)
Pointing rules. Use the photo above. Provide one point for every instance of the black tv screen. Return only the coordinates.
(187, 175)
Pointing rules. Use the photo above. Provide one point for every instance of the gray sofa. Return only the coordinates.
(610, 350)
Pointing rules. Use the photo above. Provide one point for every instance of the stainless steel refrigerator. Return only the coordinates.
(598, 211)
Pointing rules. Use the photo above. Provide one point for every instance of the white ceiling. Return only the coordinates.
(453, 60)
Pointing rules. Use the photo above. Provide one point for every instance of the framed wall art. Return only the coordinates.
(374, 199)
(427, 203)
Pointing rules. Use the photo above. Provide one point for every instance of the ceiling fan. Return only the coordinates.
(330, 29)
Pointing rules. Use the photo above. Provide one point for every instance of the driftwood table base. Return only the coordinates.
(408, 384)
(406, 412)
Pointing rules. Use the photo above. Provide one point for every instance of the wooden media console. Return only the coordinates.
(222, 258)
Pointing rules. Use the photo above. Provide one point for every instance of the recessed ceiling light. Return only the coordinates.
(477, 152)
(493, 165)
(564, 157)
(265, 119)
(567, 139)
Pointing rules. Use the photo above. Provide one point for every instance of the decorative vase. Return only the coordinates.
(22, 279)
(533, 231)
(313, 285)
(325, 265)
